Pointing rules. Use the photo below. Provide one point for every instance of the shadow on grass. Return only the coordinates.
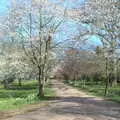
(23, 87)
(27, 88)
(16, 91)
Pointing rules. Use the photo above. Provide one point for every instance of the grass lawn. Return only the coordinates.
(16, 97)
(96, 89)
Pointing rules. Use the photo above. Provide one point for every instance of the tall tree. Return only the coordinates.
(103, 19)
(35, 30)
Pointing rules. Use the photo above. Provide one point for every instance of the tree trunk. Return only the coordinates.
(40, 85)
(114, 81)
(40, 90)
(20, 82)
(118, 71)
(5, 83)
(107, 78)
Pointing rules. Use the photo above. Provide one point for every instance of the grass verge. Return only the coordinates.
(17, 100)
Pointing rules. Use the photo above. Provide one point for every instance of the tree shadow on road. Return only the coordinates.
(88, 106)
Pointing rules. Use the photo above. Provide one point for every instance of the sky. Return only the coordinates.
(69, 3)
(3, 6)
(68, 28)
(71, 27)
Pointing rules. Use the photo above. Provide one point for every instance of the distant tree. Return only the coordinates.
(79, 65)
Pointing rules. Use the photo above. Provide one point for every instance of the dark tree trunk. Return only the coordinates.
(40, 90)
(40, 85)
(107, 78)
(19, 82)
(5, 83)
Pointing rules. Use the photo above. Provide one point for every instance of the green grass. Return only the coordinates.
(16, 97)
(96, 89)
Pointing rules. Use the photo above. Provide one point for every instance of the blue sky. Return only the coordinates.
(69, 3)
(3, 6)
(68, 28)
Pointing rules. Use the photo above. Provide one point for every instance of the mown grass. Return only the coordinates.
(96, 89)
(16, 97)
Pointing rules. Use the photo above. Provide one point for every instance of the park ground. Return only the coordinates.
(73, 104)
